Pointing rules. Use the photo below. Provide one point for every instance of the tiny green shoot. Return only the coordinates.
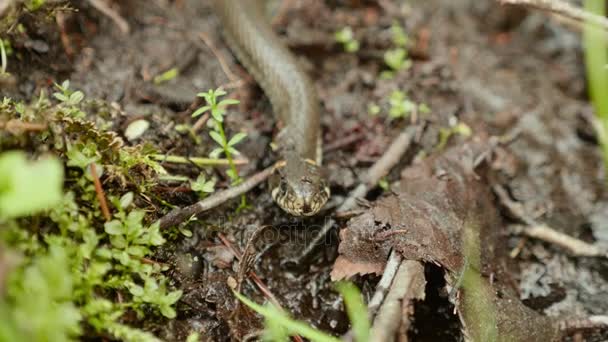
(217, 133)
(166, 76)
(596, 58)
(346, 37)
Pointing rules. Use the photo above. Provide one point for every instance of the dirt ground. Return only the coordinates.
(500, 70)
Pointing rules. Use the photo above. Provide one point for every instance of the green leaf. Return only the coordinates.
(118, 241)
(233, 151)
(217, 138)
(216, 153)
(61, 97)
(135, 289)
(114, 227)
(138, 251)
(270, 312)
(218, 114)
(356, 310)
(28, 187)
(126, 200)
(173, 297)
(76, 97)
(237, 138)
(228, 102)
(200, 111)
(167, 311)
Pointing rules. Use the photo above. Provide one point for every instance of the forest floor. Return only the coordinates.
(471, 70)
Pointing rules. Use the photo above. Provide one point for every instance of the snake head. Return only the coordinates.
(300, 189)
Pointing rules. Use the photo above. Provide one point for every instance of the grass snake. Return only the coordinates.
(299, 186)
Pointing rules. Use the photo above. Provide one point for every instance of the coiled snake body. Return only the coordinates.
(299, 187)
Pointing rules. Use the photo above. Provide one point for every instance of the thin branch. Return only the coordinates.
(543, 232)
(179, 215)
(394, 260)
(408, 285)
(101, 197)
(563, 9)
(103, 7)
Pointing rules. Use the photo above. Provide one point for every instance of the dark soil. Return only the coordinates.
(498, 69)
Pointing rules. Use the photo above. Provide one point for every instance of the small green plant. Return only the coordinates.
(399, 106)
(397, 58)
(202, 185)
(68, 266)
(596, 58)
(218, 111)
(346, 37)
(279, 326)
(70, 99)
(445, 133)
(22, 189)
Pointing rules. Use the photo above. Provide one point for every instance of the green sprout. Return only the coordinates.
(346, 37)
(397, 58)
(217, 133)
(596, 58)
(70, 99)
(401, 106)
(166, 76)
(3, 53)
(202, 185)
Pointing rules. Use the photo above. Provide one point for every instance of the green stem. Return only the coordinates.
(596, 58)
(2, 57)
(196, 160)
(237, 178)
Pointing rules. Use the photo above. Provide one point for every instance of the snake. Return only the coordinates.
(299, 185)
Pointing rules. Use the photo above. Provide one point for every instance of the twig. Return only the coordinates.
(574, 246)
(101, 197)
(342, 142)
(179, 215)
(394, 260)
(381, 168)
(258, 282)
(564, 9)
(220, 58)
(408, 285)
(586, 323)
(200, 122)
(103, 7)
(195, 160)
(15, 126)
(543, 232)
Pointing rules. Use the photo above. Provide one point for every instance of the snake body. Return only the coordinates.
(299, 187)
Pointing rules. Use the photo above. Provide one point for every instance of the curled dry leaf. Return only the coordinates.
(443, 212)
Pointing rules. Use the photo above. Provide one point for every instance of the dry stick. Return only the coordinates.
(564, 9)
(394, 260)
(543, 232)
(103, 7)
(179, 215)
(408, 285)
(101, 197)
(380, 169)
